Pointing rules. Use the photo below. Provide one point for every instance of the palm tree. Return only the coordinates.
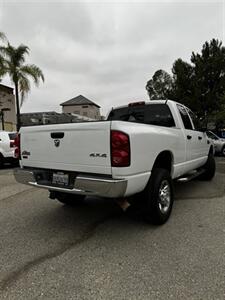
(20, 73)
(2, 71)
(2, 36)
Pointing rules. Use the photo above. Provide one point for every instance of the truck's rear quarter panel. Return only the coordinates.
(146, 143)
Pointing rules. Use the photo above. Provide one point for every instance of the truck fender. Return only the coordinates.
(164, 160)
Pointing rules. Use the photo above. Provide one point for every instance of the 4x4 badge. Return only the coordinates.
(57, 143)
(102, 155)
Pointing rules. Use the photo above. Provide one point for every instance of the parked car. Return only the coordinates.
(138, 150)
(8, 153)
(219, 143)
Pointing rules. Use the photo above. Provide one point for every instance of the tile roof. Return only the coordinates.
(79, 100)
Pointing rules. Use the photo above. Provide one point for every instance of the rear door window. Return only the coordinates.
(185, 117)
(153, 114)
(195, 120)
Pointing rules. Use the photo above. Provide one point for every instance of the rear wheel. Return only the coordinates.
(69, 199)
(158, 197)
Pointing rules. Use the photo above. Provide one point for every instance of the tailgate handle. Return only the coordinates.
(57, 135)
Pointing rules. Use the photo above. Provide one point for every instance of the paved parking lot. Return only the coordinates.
(94, 251)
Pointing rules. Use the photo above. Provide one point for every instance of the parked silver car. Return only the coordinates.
(219, 143)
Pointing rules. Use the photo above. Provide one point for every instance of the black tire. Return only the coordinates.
(223, 151)
(210, 168)
(70, 199)
(15, 163)
(1, 161)
(158, 208)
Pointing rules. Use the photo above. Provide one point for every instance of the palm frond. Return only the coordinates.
(7, 51)
(33, 71)
(3, 69)
(24, 87)
(15, 55)
(2, 66)
(14, 59)
(20, 53)
(2, 36)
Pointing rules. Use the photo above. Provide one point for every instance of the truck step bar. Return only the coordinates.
(191, 175)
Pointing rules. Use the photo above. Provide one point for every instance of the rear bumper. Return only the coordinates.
(10, 154)
(83, 184)
(11, 160)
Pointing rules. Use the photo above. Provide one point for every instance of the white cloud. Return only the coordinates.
(106, 50)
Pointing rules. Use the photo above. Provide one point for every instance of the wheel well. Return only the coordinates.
(164, 160)
(211, 150)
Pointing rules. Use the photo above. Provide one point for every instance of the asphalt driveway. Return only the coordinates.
(49, 251)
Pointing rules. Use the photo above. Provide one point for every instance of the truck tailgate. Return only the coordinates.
(81, 147)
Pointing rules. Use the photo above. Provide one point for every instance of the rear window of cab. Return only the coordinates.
(152, 114)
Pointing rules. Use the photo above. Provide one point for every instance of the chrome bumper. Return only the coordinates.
(83, 185)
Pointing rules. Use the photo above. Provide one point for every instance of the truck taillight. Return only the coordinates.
(17, 146)
(120, 149)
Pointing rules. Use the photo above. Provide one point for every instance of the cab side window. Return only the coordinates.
(194, 119)
(185, 117)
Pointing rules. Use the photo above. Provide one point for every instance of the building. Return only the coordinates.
(7, 108)
(80, 105)
(50, 117)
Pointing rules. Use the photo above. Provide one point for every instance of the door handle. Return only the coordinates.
(189, 137)
(200, 138)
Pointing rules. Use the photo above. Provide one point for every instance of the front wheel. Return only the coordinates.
(158, 197)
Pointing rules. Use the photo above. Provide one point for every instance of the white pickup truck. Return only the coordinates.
(138, 150)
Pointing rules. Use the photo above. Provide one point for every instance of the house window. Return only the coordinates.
(85, 106)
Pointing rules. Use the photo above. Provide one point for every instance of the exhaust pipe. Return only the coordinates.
(123, 203)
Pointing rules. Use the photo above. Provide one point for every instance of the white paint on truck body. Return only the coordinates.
(85, 148)
(73, 154)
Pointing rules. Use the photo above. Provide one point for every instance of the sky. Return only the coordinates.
(106, 50)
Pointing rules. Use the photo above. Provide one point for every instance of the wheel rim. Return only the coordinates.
(223, 151)
(164, 196)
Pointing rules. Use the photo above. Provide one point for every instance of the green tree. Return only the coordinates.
(209, 77)
(20, 73)
(199, 85)
(219, 119)
(160, 86)
(183, 74)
